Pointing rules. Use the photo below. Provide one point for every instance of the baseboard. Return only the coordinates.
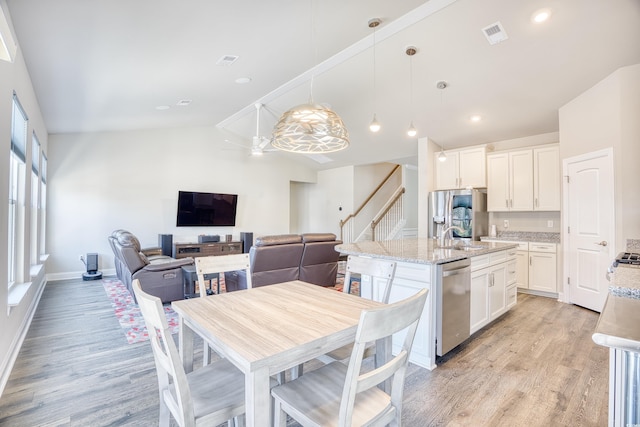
(16, 345)
(69, 275)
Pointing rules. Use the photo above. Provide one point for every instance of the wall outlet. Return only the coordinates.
(550, 223)
(506, 223)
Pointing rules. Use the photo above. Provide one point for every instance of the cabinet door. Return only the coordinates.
(498, 182)
(546, 179)
(479, 314)
(447, 174)
(521, 174)
(472, 168)
(497, 290)
(542, 272)
(522, 269)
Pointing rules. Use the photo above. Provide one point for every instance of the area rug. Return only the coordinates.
(128, 312)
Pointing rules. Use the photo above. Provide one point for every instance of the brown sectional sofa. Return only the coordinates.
(310, 257)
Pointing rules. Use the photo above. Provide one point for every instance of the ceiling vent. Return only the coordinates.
(227, 60)
(495, 33)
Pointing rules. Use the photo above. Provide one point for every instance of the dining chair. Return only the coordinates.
(207, 266)
(341, 395)
(208, 396)
(381, 273)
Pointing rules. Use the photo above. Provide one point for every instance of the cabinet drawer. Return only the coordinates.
(542, 247)
(479, 261)
(497, 257)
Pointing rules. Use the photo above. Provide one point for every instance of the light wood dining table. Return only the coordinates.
(266, 330)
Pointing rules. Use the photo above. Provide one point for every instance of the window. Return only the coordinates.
(17, 178)
(43, 202)
(35, 199)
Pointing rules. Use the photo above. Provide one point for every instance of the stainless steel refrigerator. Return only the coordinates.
(466, 209)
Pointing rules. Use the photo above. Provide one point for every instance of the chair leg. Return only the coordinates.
(296, 371)
(206, 355)
(279, 416)
(165, 415)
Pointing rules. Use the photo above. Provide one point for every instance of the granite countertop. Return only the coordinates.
(525, 236)
(618, 323)
(420, 251)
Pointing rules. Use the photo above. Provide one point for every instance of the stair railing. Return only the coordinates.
(347, 225)
(386, 222)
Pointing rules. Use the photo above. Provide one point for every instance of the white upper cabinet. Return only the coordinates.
(462, 169)
(546, 179)
(510, 181)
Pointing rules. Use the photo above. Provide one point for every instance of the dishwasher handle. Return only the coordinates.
(454, 272)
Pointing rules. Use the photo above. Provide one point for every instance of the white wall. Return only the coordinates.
(15, 77)
(607, 116)
(104, 181)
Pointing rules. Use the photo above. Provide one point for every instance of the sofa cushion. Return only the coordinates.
(280, 239)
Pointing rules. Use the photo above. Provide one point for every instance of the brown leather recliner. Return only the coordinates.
(161, 276)
(273, 259)
(319, 264)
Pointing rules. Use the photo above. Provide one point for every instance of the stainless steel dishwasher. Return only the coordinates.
(453, 304)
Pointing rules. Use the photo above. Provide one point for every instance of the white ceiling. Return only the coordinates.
(100, 65)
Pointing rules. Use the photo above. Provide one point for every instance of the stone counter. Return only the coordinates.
(419, 251)
(525, 236)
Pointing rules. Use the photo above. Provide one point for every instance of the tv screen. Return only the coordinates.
(206, 209)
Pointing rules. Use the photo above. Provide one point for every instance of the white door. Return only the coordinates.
(590, 219)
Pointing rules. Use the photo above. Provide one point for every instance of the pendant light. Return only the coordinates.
(375, 125)
(410, 51)
(310, 128)
(442, 85)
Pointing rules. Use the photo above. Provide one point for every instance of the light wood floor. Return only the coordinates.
(536, 366)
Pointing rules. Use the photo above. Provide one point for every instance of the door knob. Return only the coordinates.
(603, 243)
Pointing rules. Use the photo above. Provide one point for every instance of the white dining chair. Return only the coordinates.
(207, 266)
(381, 273)
(208, 396)
(341, 395)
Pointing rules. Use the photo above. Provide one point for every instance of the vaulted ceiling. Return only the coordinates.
(107, 65)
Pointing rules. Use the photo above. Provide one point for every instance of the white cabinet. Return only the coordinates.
(462, 169)
(522, 269)
(491, 293)
(542, 267)
(510, 181)
(546, 178)
(524, 180)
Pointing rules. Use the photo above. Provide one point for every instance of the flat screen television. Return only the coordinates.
(206, 209)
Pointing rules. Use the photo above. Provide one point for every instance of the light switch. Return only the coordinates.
(550, 223)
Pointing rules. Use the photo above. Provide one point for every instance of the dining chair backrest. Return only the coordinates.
(375, 324)
(379, 270)
(166, 356)
(209, 265)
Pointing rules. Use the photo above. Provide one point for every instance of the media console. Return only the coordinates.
(183, 250)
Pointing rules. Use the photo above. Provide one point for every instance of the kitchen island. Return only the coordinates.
(618, 329)
(492, 287)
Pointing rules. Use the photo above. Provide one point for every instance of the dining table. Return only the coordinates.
(266, 330)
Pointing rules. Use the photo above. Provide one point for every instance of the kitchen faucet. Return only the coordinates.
(446, 230)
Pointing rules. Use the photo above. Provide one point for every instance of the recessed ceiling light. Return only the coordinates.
(162, 107)
(475, 118)
(243, 80)
(183, 102)
(541, 15)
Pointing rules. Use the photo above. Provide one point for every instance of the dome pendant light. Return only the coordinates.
(375, 125)
(442, 85)
(410, 51)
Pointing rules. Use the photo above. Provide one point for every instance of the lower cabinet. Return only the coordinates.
(542, 267)
(493, 287)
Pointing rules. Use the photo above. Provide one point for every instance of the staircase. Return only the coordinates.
(388, 221)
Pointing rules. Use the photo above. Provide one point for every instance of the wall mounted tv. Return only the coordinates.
(206, 209)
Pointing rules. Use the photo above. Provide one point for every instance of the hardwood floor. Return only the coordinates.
(536, 366)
